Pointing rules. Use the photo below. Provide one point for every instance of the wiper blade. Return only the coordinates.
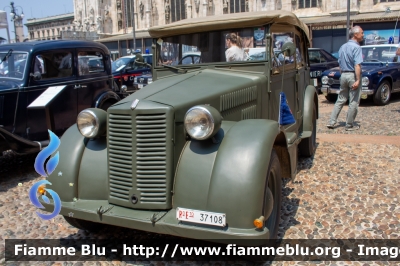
(7, 55)
(180, 70)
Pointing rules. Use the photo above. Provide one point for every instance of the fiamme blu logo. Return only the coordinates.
(40, 187)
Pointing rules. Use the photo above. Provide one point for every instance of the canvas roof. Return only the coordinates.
(228, 21)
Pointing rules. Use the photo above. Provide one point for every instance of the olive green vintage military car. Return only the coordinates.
(198, 153)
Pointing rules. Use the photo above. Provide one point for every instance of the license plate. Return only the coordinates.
(201, 217)
(140, 86)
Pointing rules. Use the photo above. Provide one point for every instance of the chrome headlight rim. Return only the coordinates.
(214, 120)
(324, 80)
(365, 81)
(93, 133)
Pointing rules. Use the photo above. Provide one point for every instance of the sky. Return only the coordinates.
(34, 9)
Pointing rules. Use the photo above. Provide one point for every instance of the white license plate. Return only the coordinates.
(315, 82)
(140, 86)
(201, 217)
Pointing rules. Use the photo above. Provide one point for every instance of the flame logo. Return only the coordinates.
(50, 166)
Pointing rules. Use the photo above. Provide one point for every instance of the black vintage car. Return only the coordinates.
(380, 74)
(75, 74)
(320, 60)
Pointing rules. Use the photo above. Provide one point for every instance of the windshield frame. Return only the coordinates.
(20, 59)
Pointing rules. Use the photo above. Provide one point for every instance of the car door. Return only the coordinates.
(56, 69)
(92, 79)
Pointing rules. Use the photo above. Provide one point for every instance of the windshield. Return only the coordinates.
(379, 54)
(120, 63)
(210, 47)
(13, 65)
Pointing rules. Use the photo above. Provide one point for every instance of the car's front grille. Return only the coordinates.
(120, 155)
(151, 170)
(140, 152)
(332, 81)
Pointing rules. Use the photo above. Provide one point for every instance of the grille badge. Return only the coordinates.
(134, 104)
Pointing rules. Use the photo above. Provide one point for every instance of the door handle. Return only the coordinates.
(78, 86)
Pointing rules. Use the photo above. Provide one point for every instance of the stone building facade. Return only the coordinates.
(325, 18)
(49, 28)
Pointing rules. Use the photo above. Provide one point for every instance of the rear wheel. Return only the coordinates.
(308, 145)
(382, 95)
(84, 225)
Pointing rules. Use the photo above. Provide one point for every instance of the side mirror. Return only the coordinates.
(36, 76)
(289, 48)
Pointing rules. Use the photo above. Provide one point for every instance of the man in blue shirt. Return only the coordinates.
(350, 59)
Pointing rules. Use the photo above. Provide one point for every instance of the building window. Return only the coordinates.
(128, 12)
(236, 6)
(177, 10)
(307, 3)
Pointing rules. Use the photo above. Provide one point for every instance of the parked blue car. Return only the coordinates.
(380, 75)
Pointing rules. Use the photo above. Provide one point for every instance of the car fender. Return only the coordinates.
(82, 169)
(227, 176)
(310, 99)
(70, 157)
(105, 96)
(381, 79)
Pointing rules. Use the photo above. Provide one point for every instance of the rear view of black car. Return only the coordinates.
(76, 75)
(320, 60)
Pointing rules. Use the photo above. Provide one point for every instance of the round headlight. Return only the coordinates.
(324, 80)
(365, 81)
(202, 122)
(92, 122)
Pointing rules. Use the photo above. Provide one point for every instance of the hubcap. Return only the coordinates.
(385, 93)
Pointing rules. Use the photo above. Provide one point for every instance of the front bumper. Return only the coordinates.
(326, 89)
(10, 141)
(161, 222)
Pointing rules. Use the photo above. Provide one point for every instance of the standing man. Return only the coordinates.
(350, 59)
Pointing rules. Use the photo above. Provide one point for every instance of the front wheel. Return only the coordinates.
(84, 225)
(308, 145)
(382, 95)
(273, 196)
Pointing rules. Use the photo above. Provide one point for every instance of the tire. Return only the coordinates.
(308, 145)
(116, 87)
(106, 105)
(274, 185)
(84, 225)
(331, 97)
(383, 93)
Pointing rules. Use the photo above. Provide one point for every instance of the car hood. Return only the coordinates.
(200, 87)
(365, 68)
(8, 85)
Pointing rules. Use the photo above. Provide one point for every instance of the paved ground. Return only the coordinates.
(349, 189)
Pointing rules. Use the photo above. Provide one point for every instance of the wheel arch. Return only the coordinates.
(310, 99)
